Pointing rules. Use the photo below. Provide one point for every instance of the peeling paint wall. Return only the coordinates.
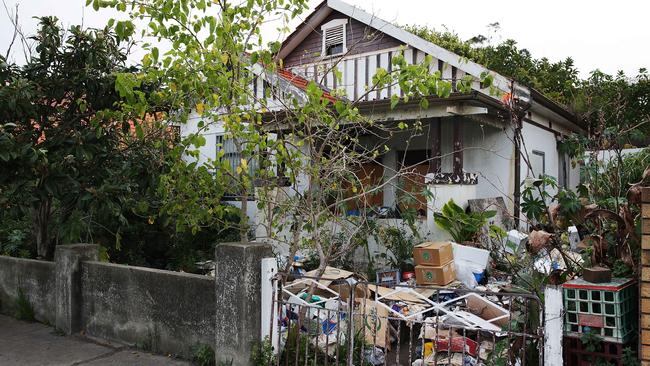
(36, 280)
(162, 311)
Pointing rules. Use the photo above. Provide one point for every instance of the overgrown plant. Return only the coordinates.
(23, 309)
(399, 248)
(462, 226)
(263, 354)
(203, 355)
(591, 342)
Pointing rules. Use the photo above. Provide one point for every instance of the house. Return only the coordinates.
(477, 153)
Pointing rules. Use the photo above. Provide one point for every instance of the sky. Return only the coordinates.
(597, 34)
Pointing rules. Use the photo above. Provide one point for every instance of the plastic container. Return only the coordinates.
(608, 310)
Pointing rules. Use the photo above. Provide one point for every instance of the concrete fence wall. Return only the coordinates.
(162, 311)
(35, 279)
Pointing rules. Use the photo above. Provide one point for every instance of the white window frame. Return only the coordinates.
(333, 24)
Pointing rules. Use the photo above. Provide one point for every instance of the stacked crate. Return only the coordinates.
(607, 310)
(645, 279)
(575, 353)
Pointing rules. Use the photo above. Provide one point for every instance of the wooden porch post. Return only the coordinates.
(435, 132)
(458, 145)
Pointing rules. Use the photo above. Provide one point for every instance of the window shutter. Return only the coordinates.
(334, 36)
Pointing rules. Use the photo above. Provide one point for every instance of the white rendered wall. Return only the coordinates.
(538, 139)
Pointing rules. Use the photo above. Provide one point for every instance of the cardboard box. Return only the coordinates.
(488, 310)
(435, 275)
(433, 254)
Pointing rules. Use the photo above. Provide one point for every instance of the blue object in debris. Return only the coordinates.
(479, 276)
(328, 326)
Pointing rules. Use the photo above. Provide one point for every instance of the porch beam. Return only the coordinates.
(464, 110)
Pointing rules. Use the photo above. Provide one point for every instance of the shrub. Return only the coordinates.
(400, 245)
(23, 308)
(203, 355)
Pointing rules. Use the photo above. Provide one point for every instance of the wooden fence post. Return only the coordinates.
(644, 298)
(553, 325)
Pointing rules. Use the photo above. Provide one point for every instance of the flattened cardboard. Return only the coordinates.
(330, 275)
(435, 275)
(487, 310)
(390, 294)
(433, 254)
(374, 323)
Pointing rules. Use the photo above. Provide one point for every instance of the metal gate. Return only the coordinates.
(346, 322)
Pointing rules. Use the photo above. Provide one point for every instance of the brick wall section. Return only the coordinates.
(645, 279)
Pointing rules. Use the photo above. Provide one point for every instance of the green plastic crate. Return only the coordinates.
(605, 309)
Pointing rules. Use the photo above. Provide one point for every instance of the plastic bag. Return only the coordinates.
(465, 273)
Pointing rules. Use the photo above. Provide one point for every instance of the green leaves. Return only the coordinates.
(125, 85)
(463, 227)
(394, 99)
(124, 29)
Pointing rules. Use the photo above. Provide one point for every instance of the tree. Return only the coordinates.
(558, 80)
(72, 163)
(308, 138)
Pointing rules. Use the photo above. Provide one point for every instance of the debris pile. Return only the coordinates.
(447, 318)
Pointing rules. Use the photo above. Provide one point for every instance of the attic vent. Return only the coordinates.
(334, 37)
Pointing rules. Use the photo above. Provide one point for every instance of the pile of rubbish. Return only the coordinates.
(454, 314)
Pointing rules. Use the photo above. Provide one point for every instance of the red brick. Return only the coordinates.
(645, 321)
(645, 257)
(645, 274)
(645, 194)
(645, 305)
(645, 352)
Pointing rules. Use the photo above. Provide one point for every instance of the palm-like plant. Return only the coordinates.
(463, 227)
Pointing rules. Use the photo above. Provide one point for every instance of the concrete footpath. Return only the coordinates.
(31, 344)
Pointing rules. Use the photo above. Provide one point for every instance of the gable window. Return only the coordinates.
(334, 37)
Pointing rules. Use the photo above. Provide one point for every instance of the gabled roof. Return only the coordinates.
(325, 8)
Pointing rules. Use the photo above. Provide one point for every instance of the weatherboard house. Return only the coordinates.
(479, 156)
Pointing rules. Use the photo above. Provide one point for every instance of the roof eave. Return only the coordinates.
(557, 109)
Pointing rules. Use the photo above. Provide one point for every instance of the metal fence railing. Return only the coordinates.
(346, 322)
